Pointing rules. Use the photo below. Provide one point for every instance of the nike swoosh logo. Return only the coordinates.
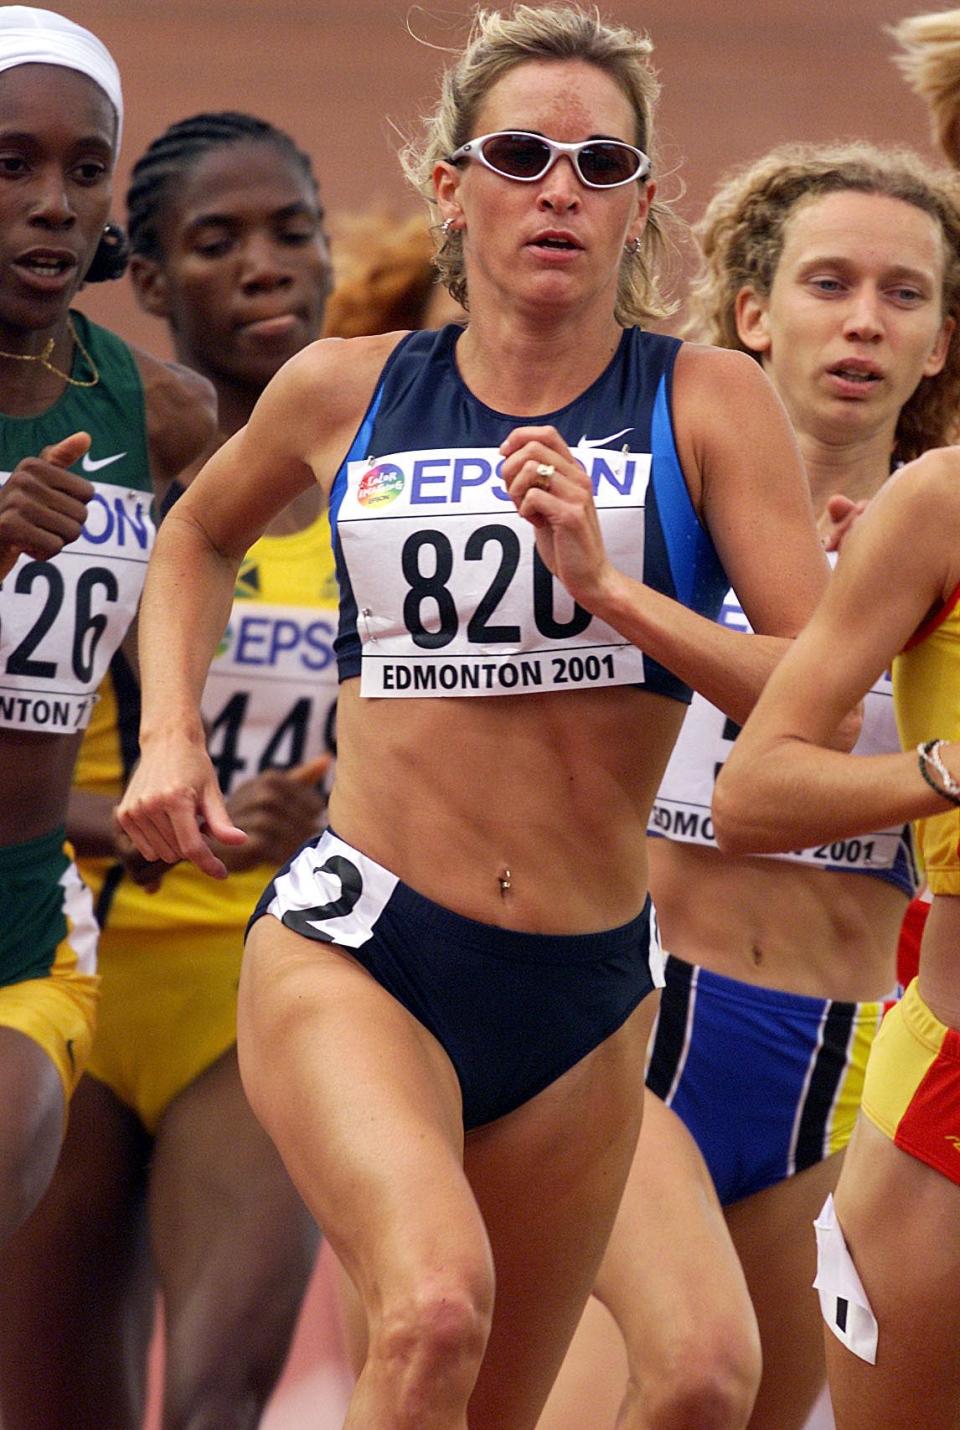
(602, 441)
(89, 465)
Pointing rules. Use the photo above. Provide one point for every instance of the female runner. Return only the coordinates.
(443, 1007)
(166, 1177)
(889, 1250)
(89, 428)
(839, 268)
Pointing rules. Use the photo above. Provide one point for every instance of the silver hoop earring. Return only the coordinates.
(446, 228)
(632, 247)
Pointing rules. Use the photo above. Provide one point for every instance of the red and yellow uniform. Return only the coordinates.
(912, 1090)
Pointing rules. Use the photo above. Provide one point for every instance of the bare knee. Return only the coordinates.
(428, 1341)
(707, 1385)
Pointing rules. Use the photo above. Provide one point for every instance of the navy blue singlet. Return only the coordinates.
(441, 588)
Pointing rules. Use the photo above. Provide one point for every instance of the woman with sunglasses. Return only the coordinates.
(89, 430)
(443, 1005)
(839, 268)
(166, 1180)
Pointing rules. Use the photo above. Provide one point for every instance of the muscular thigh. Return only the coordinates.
(670, 1274)
(31, 1126)
(76, 1287)
(548, 1179)
(232, 1241)
(774, 1237)
(217, 1181)
(360, 1100)
(901, 1221)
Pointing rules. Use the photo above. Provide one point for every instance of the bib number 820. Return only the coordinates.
(429, 588)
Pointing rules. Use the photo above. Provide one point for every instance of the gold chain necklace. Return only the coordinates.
(44, 359)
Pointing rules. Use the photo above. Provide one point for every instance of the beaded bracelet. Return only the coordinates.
(930, 753)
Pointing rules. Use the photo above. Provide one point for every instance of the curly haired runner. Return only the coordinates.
(89, 430)
(889, 1246)
(443, 1005)
(930, 63)
(838, 267)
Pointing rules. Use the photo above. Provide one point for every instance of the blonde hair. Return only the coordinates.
(499, 41)
(384, 274)
(931, 66)
(742, 234)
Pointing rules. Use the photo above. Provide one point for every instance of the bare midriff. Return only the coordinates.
(776, 923)
(450, 793)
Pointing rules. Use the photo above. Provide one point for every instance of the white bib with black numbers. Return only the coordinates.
(269, 697)
(62, 620)
(452, 596)
(681, 810)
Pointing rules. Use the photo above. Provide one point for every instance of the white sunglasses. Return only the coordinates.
(600, 163)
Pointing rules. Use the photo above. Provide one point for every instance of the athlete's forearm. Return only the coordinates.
(90, 826)
(729, 668)
(783, 793)
(184, 613)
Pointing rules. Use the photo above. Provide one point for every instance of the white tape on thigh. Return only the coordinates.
(843, 1300)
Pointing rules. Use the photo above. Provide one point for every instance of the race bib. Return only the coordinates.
(62, 620)
(270, 696)
(681, 810)
(332, 893)
(452, 596)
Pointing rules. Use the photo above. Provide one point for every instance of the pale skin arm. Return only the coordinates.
(173, 798)
(181, 412)
(746, 481)
(780, 789)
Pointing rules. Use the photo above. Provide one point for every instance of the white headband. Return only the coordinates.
(29, 36)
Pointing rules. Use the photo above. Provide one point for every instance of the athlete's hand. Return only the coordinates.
(173, 809)
(43, 505)
(312, 772)
(560, 507)
(279, 811)
(839, 518)
(147, 874)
